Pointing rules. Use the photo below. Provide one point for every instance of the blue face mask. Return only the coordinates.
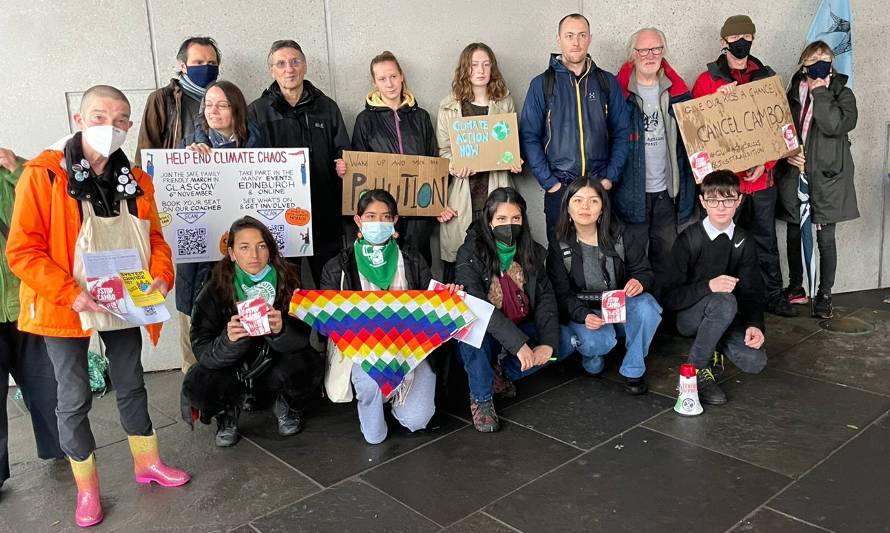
(261, 274)
(202, 75)
(819, 70)
(377, 232)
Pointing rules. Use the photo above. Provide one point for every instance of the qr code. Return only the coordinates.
(191, 241)
(278, 234)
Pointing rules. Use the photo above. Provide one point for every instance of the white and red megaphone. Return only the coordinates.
(687, 402)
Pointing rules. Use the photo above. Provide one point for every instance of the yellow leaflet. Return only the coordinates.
(137, 283)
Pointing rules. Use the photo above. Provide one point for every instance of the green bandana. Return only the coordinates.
(505, 254)
(377, 263)
(262, 284)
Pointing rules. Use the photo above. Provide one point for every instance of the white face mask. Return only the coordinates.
(105, 139)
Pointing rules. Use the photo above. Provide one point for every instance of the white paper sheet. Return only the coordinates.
(112, 263)
(481, 308)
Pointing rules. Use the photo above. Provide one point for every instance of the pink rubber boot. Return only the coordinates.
(148, 466)
(89, 506)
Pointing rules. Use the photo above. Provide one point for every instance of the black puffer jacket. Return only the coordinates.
(476, 279)
(211, 343)
(417, 272)
(315, 122)
(829, 163)
(406, 130)
(629, 261)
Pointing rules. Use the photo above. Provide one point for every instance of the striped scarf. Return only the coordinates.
(195, 92)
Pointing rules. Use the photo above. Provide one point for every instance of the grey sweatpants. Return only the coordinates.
(69, 357)
(414, 414)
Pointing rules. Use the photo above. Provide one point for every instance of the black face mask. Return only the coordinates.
(819, 70)
(739, 49)
(507, 233)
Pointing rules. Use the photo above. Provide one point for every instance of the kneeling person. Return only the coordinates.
(231, 363)
(376, 263)
(716, 289)
(590, 256)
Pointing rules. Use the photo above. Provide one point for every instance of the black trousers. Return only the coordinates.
(23, 355)
(296, 377)
(757, 215)
(660, 231)
(827, 256)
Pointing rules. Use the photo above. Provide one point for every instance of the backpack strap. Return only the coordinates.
(604, 91)
(549, 83)
(566, 255)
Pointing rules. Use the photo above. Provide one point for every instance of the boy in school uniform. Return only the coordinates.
(716, 289)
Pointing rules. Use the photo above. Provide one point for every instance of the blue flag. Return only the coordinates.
(833, 24)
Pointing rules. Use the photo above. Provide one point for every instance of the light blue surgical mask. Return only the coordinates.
(377, 232)
(261, 274)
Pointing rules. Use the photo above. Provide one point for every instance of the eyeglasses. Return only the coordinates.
(282, 64)
(657, 51)
(726, 202)
(222, 106)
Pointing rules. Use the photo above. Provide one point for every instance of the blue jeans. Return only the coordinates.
(478, 363)
(643, 317)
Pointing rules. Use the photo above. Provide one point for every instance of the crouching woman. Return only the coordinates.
(279, 365)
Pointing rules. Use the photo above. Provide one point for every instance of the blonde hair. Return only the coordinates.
(384, 57)
(632, 42)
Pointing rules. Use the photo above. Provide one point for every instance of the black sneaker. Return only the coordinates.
(227, 428)
(709, 392)
(795, 295)
(635, 386)
(823, 307)
(290, 421)
(780, 306)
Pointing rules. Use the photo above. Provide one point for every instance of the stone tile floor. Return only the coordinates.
(804, 446)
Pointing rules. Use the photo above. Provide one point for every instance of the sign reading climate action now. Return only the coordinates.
(418, 183)
(737, 131)
(200, 195)
(486, 142)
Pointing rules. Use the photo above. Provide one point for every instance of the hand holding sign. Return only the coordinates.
(737, 129)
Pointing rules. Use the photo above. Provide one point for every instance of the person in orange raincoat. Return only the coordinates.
(52, 197)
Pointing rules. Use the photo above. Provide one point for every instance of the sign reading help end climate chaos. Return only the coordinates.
(418, 183)
(200, 195)
(739, 130)
(487, 142)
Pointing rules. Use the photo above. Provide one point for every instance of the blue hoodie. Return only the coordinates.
(552, 135)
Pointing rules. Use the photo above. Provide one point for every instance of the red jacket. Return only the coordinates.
(718, 75)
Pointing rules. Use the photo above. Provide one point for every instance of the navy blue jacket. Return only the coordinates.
(629, 196)
(551, 137)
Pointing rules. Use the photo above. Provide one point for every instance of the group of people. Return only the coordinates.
(622, 212)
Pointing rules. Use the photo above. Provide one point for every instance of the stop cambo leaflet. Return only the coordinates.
(387, 333)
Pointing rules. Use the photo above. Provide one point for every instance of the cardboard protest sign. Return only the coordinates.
(418, 183)
(486, 142)
(737, 131)
(199, 196)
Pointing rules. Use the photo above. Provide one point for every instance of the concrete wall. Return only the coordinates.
(55, 50)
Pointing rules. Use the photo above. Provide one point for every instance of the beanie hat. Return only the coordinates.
(737, 25)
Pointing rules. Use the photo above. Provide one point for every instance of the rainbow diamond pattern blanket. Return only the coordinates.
(387, 333)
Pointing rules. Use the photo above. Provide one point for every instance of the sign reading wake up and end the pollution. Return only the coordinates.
(738, 130)
(200, 195)
(418, 183)
(485, 142)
